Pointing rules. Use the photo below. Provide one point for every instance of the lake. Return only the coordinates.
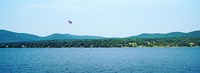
(100, 60)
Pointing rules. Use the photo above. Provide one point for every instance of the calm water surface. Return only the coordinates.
(100, 60)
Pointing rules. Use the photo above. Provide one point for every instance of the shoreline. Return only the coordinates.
(94, 47)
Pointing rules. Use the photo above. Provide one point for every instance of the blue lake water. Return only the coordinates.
(100, 60)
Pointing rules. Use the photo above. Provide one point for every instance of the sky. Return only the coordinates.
(109, 18)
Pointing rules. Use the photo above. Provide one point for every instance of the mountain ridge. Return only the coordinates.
(168, 35)
(9, 36)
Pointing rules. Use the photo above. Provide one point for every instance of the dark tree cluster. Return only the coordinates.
(112, 42)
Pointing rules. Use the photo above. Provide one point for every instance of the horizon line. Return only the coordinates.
(94, 35)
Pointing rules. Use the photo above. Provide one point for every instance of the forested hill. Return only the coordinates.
(8, 36)
(21, 40)
(168, 35)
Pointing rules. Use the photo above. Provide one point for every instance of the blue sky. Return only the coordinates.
(110, 18)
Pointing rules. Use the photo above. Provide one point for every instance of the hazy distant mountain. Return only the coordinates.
(58, 36)
(8, 36)
(172, 34)
(194, 33)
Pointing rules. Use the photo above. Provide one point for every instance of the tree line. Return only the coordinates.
(108, 42)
